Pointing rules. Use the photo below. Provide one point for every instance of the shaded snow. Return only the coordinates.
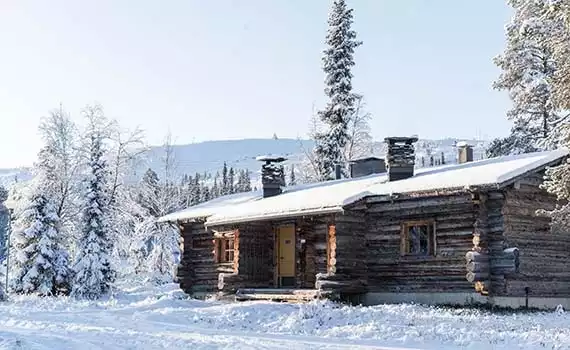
(147, 317)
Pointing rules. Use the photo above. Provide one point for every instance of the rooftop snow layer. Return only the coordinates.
(332, 196)
(208, 208)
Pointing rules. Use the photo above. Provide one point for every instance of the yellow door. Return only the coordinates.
(286, 251)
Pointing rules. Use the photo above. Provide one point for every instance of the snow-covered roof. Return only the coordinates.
(333, 196)
(208, 208)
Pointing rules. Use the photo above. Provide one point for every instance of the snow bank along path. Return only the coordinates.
(147, 317)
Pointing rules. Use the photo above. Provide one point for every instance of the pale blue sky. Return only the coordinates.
(228, 69)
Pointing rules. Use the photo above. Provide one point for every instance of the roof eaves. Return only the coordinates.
(274, 216)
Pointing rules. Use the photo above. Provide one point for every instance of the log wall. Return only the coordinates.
(198, 271)
(544, 253)
(389, 271)
(347, 273)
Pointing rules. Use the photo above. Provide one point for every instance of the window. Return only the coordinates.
(225, 250)
(418, 238)
(226, 246)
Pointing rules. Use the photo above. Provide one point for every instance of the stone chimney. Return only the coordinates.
(465, 152)
(400, 157)
(272, 176)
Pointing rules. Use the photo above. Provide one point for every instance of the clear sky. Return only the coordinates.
(230, 69)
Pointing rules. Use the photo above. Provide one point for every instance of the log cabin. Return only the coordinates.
(465, 233)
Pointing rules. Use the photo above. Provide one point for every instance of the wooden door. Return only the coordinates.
(286, 255)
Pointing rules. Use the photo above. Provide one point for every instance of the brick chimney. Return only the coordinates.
(400, 157)
(272, 176)
(464, 152)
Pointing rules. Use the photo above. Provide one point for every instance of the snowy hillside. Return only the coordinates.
(9, 176)
(210, 156)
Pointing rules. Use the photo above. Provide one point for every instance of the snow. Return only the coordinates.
(208, 208)
(333, 196)
(144, 316)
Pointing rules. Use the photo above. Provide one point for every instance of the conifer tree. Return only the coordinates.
(41, 263)
(231, 179)
(246, 181)
(529, 68)
(94, 274)
(292, 180)
(225, 184)
(337, 64)
(4, 223)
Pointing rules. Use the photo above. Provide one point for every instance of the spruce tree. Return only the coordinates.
(292, 180)
(41, 262)
(337, 64)
(246, 181)
(528, 69)
(225, 183)
(4, 223)
(94, 274)
(231, 179)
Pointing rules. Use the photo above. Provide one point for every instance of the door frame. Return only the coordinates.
(277, 239)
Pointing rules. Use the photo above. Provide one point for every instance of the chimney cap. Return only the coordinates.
(364, 159)
(463, 144)
(394, 139)
(271, 158)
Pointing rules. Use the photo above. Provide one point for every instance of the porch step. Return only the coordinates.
(289, 295)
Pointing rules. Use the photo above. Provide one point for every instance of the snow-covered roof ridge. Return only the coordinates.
(333, 196)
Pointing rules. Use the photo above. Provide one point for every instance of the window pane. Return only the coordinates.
(418, 240)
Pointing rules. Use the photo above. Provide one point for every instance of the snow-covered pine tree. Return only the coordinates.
(94, 274)
(4, 244)
(196, 194)
(41, 262)
(246, 181)
(292, 180)
(337, 64)
(4, 223)
(528, 69)
(231, 179)
(225, 182)
(215, 192)
(557, 182)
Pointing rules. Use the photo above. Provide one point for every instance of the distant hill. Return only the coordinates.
(9, 176)
(210, 156)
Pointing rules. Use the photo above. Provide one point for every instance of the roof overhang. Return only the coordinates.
(275, 216)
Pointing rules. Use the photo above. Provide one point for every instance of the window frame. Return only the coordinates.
(224, 251)
(404, 238)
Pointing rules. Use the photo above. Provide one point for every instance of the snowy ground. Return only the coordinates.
(148, 317)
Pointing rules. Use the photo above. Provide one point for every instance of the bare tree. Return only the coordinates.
(360, 139)
(60, 136)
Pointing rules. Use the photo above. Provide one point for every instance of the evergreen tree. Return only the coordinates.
(292, 181)
(150, 187)
(206, 196)
(246, 181)
(528, 68)
(42, 264)
(557, 182)
(93, 271)
(225, 184)
(196, 194)
(337, 63)
(231, 179)
(215, 189)
(4, 224)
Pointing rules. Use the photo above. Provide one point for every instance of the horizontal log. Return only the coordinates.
(473, 277)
